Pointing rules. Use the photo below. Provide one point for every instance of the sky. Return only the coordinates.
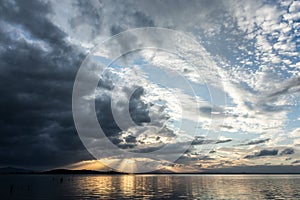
(221, 88)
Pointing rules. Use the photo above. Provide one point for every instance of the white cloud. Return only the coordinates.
(251, 61)
(295, 133)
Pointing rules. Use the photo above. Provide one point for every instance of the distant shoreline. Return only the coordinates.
(19, 171)
(120, 173)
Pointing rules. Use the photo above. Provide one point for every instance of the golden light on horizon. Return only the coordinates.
(122, 165)
(89, 165)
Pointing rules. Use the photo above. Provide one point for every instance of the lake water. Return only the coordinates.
(150, 186)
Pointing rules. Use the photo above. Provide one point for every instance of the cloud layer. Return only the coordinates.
(252, 47)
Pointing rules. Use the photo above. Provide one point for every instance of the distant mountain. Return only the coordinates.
(11, 170)
(234, 170)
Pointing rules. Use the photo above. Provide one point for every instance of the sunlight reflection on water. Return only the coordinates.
(150, 186)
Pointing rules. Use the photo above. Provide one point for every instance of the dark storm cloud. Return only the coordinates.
(137, 19)
(132, 17)
(130, 139)
(38, 70)
(105, 83)
(138, 111)
(89, 14)
(106, 118)
(287, 151)
(36, 122)
(31, 15)
(263, 152)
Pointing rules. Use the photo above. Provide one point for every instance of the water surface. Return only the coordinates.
(150, 186)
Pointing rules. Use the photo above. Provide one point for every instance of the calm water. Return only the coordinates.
(150, 187)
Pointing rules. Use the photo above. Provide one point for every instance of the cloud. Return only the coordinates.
(130, 139)
(257, 169)
(295, 133)
(257, 141)
(296, 162)
(252, 44)
(38, 67)
(223, 141)
(187, 159)
(138, 109)
(202, 141)
(249, 91)
(287, 151)
(290, 86)
(263, 152)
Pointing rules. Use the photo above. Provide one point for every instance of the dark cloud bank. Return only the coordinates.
(37, 72)
(36, 122)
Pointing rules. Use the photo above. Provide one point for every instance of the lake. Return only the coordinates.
(150, 186)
